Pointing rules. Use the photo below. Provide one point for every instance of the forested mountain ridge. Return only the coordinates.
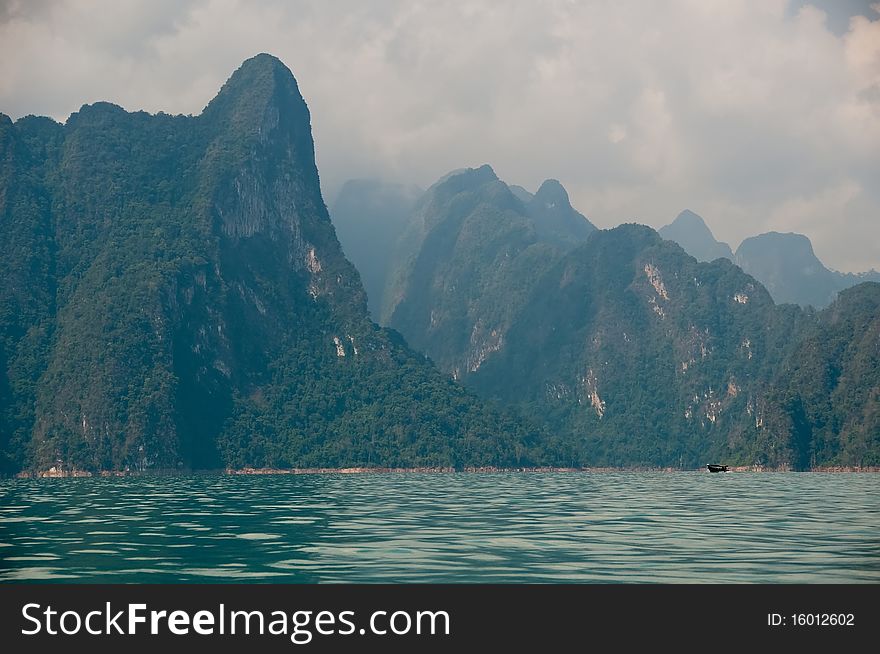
(784, 263)
(470, 258)
(175, 297)
(642, 355)
(826, 400)
(622, 345)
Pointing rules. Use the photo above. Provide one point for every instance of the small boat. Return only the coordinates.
(716, 467)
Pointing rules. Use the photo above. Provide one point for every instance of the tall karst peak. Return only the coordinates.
(190, 305)
(552, 193)
(259, 81)
(783, 262)
(783, 243)
(259, 165)
(471, 256)
(688, 218)
(556, 221)
(468, 178)
(692, 233)
(260, 97)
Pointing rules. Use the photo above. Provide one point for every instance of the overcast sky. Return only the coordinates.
(759, 115)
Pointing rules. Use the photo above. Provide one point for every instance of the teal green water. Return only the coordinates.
(503, 527)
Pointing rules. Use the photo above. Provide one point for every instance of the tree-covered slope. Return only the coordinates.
(639, 354)
(470, 258)
(174, 296)
(625, 348)
(827, 399)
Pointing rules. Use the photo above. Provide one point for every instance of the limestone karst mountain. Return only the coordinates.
(174, 296)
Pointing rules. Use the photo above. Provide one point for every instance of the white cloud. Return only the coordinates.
(757, 115)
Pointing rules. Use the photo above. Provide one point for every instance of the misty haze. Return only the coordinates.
(417, 292)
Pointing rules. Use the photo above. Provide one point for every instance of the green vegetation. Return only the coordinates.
(471, 257)
(826, 400)
(174, 297)
(641, 355)
(624, 347)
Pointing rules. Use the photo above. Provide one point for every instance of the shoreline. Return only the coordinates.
(71, 474)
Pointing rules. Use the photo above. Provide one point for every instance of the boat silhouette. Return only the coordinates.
(716, 467)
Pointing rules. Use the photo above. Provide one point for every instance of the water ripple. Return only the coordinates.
(506, 527)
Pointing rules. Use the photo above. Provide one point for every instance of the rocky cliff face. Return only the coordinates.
(178, 298)
(641, 354)
(629, 350)
(471, 255)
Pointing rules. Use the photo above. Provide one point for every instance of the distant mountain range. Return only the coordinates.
(175, 297)
(784, 263)
(623, 346)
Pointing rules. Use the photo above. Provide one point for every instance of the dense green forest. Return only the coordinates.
(468, 261)
(826, 399)
(623, 346)
(644, 355)
(174, 297)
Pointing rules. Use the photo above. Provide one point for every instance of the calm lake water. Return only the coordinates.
(502, 527)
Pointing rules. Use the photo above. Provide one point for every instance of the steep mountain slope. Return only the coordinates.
(784, 263)
(788, 267)
(691, 232)
(555, 220)
(470, 259)
(827, 402)
(369, 217)
(520, 193)
(622, 345)
(638, 354)
(629, 350)
(174, 296)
